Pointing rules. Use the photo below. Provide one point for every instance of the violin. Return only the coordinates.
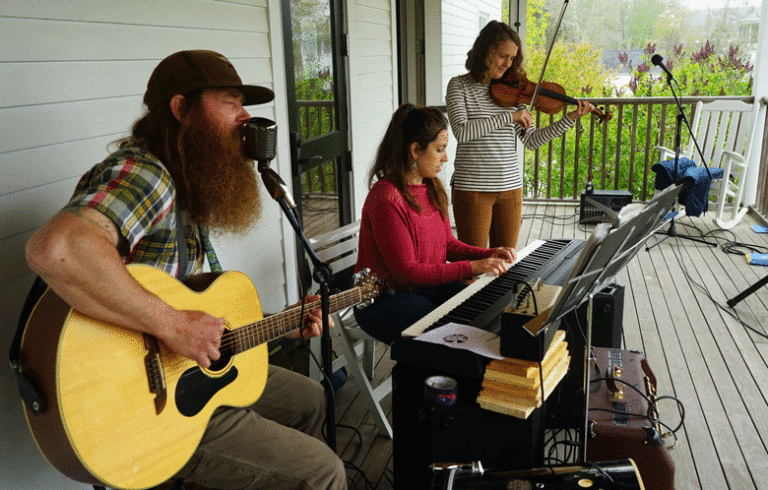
(510, 91)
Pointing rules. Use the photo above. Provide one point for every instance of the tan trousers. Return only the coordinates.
(488, 219)
(274, 444)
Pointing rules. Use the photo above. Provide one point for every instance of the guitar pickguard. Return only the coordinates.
(195, 389)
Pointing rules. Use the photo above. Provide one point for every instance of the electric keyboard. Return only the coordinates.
(480, 304)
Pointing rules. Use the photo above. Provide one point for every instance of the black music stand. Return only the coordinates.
(606, 252)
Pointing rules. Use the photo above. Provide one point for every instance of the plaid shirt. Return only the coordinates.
(133, 189)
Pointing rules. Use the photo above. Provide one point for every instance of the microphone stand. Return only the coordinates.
(672, 231)
(322, 274)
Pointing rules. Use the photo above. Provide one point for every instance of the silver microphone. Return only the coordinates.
(261, 145)
(261, 140)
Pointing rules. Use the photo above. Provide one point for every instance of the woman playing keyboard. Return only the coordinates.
(405, 233)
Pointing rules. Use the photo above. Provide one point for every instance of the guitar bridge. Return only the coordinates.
(155, 373)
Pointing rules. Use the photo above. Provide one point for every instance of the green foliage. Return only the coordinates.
(576, 67)
(537, 19)
(316, 88)
(699, 73)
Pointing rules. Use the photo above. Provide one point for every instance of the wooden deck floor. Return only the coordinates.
(321, 214)
(696, 345)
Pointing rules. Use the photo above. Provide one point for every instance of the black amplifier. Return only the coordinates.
(614, 200)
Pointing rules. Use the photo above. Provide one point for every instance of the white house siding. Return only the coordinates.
(73, 75)
(461, 22)
(458, 22)
(372, 84)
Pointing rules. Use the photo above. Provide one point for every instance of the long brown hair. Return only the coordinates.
(410, 124)
(490, 38)
(160, 133)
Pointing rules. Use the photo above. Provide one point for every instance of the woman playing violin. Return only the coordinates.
(487, 192)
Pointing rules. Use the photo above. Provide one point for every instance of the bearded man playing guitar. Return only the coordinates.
(183, 169)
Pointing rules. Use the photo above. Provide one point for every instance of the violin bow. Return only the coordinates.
(549, 52)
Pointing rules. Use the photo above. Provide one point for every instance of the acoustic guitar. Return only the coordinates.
(124, 411)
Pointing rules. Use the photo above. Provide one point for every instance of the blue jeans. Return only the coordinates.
(388, 316)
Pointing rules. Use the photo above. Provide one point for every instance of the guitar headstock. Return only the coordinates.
(370, 286)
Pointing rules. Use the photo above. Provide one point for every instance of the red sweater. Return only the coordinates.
(409, 249)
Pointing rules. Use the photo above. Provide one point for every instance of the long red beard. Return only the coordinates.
(222, 182)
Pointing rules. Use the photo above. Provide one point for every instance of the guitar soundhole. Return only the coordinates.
(226, 352)
(222, 363)
(196, 388)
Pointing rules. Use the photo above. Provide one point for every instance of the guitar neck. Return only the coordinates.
(276, 326)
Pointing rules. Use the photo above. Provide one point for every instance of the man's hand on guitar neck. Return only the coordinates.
(314, 324)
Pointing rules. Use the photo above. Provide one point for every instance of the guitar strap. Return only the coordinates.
(213, 261)
(181, 242)
(30, 392)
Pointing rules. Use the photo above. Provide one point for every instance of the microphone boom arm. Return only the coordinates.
(275, 185)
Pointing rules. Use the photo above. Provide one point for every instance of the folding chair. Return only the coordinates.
(338, 248)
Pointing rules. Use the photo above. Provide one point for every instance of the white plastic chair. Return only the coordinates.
(724, 130)
(338, 248)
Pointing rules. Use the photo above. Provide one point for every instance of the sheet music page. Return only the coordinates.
(596, 238)
(457, 336)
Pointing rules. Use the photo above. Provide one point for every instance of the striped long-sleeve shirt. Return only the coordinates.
(486, 156)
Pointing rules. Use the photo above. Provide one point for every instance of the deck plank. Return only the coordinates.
(690, 377)
(664, 353)
(736, 444)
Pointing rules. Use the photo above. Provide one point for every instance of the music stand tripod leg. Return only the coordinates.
(751, 289)
(672, 232)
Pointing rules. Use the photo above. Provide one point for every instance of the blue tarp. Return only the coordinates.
(696, 198)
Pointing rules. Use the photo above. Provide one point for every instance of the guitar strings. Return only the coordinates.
(253, 333)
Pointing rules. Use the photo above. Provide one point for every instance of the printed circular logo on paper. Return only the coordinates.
(455, 338)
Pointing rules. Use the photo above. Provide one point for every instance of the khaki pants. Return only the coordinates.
(488, 219)
(274, 444)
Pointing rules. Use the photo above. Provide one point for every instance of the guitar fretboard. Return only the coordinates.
(275, 326)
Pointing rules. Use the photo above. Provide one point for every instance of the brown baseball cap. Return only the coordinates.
(186, 72)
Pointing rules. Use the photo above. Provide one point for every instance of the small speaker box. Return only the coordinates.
(614, 200)
(607, 316)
